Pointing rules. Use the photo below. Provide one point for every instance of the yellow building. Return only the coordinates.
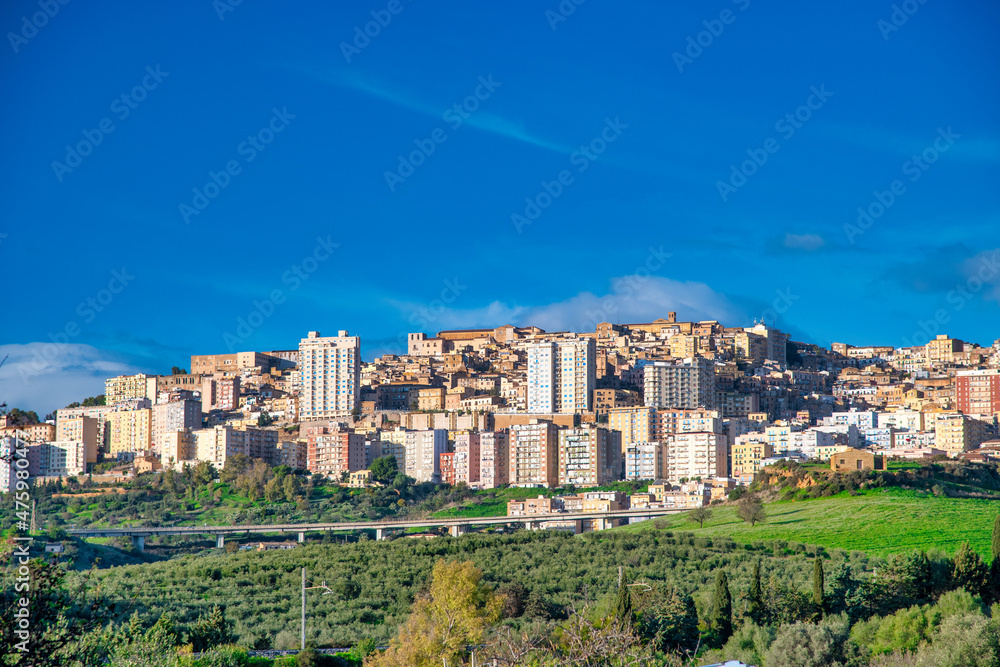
(747, 453)
(826, 452)
(131, 431)
(635, 424)
(956, 433)
(124, 387)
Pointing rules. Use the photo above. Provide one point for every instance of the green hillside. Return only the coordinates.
(878, 522)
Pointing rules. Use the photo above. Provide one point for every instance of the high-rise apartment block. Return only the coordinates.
(423, 454)
(329, 375)
(220, 392)
(589, 456)
(686, 384)
(494, 449)
(635, 424)
(334, 450)
(692, 455)
(124, 387)
(130, 431)
(81, 429)
(561, 376)
(218, 444)
(978, 392)
(98, 412)
(534, 454)
(467, 457)
(175, 416)
(645, 460)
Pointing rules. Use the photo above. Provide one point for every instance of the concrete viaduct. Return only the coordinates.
(456, 525)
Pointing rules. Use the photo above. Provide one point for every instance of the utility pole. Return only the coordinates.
(303, 608)
(304, 589)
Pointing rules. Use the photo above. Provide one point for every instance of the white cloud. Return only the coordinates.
(46, 376)
(631, 299)
(807, 242)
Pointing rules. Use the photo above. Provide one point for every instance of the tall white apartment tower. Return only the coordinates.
(562, 375)
(329, 375)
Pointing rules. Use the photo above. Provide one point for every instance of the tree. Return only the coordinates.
(669, 620)
(384, 469)
(818, 593)
(970, 572)
(700, 515)
(813, 645)
(755, 599)
(622, 610)
(721, 617)
(264, 419)
(57, 620)
(291, 487)
(177, 370)
(515, 597)
(18, 417)
(995, 562)
(455, 614)
(211, 630)
(751, 509)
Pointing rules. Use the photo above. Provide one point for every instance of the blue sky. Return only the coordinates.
(586, 174)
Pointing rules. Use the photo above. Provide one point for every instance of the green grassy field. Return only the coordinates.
(493, 502)
(877, 522)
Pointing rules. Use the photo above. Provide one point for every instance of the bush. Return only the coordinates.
(806, 645)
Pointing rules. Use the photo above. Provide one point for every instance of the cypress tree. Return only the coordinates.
(996, 537)
(818, 586)
(623, 604)
(722, 609)
(994, 587)
(755, 610)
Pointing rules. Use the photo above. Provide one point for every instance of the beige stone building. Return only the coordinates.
(534, 454)
(130, 431)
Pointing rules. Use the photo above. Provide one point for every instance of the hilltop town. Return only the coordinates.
(695, 407)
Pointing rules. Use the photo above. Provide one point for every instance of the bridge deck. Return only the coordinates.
(145, 531)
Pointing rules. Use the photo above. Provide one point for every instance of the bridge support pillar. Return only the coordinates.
(139, 542)
(220, 541)
(302, 536)
(578, 526)
(457, 530)
(379, 534)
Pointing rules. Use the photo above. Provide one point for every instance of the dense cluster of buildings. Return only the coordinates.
(696, 406)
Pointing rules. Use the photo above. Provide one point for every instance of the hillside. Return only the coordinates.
(374, 583)
(878, 522)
